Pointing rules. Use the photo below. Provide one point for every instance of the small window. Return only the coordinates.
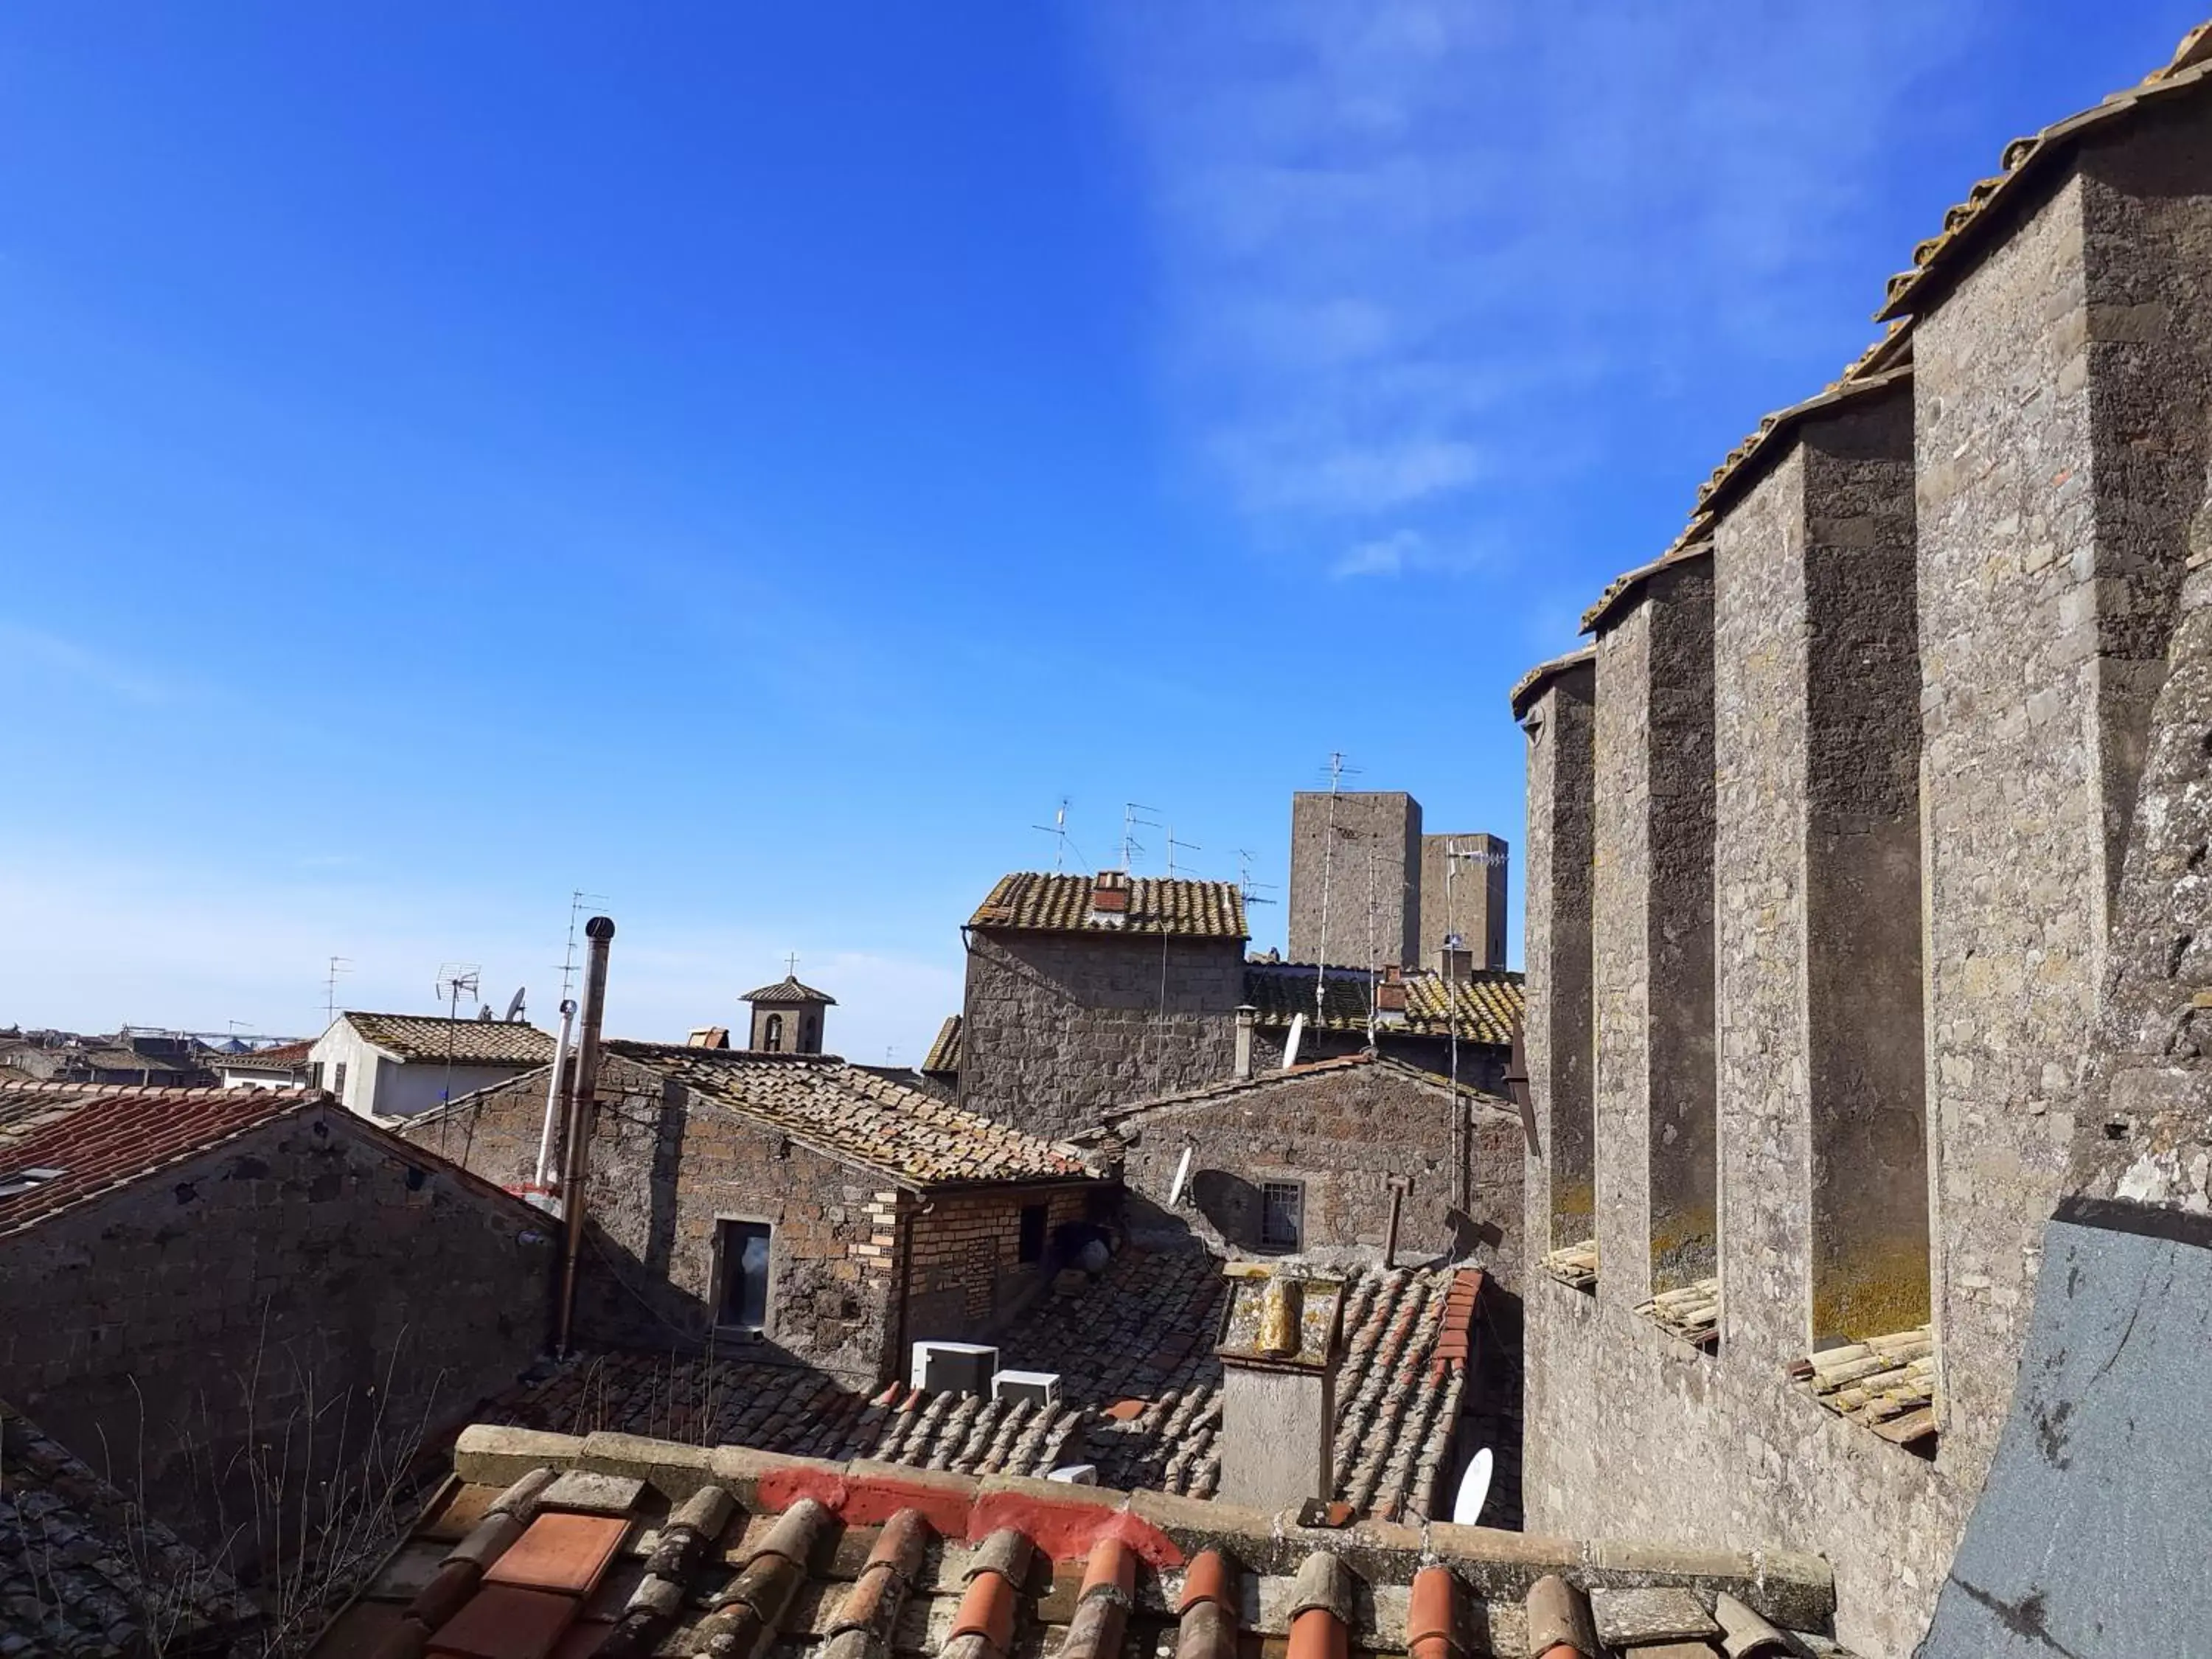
(1032, 1247)
(743, 1248)
(1282, 1208)
(337, 1079)
(810, 1036)
(772, 1034)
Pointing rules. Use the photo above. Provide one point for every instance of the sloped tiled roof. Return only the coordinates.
(465, 1041)
(1624, 587)
(2026, 160)
(100, 1135)
(788, 990)
(945, 1053)
(1140, 1339)
(1485, 1005)
(85, 1573)
(1525, 689)
(542, 1550)
(283, 1057)
(912, 1136)
(1033, 902)
(1365, 1061)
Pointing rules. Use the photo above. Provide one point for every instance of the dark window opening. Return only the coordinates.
(337, 1079)
(744, 1246)
(810, 1036)
(1032, 1244)
(772, 1034)
(1282, 1206)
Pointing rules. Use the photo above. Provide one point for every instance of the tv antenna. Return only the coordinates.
(1338, 769)
(577, 898)
(1245, 856)
(455, 981)
(337, 966)
(1130, 823)
(1187, 845)
(1058, 830)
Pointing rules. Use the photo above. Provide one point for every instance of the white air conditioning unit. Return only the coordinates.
(954, 1367)
(1038, 1387)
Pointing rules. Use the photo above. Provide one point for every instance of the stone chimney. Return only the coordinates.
(1278, 1352)
(1246, 1014)
(1109, 899)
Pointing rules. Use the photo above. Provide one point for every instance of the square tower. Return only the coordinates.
(1355, 855)
(1463, 891)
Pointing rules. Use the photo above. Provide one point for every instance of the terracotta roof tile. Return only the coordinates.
(2025, 160)
(1485, 1005)
(906, 1132)
(61, 1143)
(466, 1041)
(993, 1571)
(1886, 1383)
(1030, 902)
(945, 1053)
(788, 990)
(1525, 689)
(279, 1057)
(1624, 587)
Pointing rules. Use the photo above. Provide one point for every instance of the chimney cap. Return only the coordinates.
(599, 927)
(1261, 1299)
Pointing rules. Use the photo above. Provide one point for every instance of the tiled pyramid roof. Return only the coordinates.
(788, 990)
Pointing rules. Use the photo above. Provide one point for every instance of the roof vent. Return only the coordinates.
(1109, 899)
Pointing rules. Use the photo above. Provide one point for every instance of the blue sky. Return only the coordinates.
(753, 462)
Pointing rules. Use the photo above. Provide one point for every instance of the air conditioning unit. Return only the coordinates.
(954, 1367)
(1038, 1387)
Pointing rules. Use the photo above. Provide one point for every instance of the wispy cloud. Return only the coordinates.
(1406, 245)
(52, 655)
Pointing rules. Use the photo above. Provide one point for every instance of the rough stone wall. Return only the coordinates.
(310, 1287)
(1653, 937)
(1374, 915)
(1058, 1026)
(1344, 1133)
(665, 1166)
(966, 1276)
(1561, 1185)
(1473, 907)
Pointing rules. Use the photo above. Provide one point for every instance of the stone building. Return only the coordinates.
(1462, 885)
(394, 1066)
(225, 1300)
(790, 1207)
(1826, 838)
(788, 1016)
(1368, 888)
(1085, 992)
(1360, 1157)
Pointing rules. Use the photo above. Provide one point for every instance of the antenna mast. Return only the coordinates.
(1130, 821)
(1058, 830)
(337, 965)
(1337, 768)
(1187, 845)
(577, 898)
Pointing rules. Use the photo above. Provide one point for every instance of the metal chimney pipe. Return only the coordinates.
(1246, 1015)
(555, 1093)
(599, 933)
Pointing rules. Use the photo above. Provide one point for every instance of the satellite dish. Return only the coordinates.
(1473, 1489)
(1182, 1181)
(1290, 1043)
(514, 1008)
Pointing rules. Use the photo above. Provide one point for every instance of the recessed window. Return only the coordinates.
(772, 1034)
(742, 1247)
(337, 1079)
(1032, 1241)
(1282, 1214)
(810, 1036)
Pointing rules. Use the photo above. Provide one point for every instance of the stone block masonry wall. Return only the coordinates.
(1343, 1134)
(665, 1169)
(309, 1287)
(1653, 939)
(1471, 904)
(1561, 1187)
(1373, 914)
(2062, 404)
(1058, 1026)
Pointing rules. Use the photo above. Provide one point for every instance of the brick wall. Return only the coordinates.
(965, 1277)
(1343, 1134)
(309, 1271)
(1058, 1026)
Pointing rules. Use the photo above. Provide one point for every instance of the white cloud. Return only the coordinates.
(53, 656)
(1406, 246)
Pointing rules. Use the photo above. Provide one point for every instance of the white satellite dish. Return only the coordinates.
(1290, 1043)
(1473, 1489)
(515, 1007)
(1182, 1181)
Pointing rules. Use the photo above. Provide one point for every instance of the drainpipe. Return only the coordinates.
(555, 1093)
(598, 933)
